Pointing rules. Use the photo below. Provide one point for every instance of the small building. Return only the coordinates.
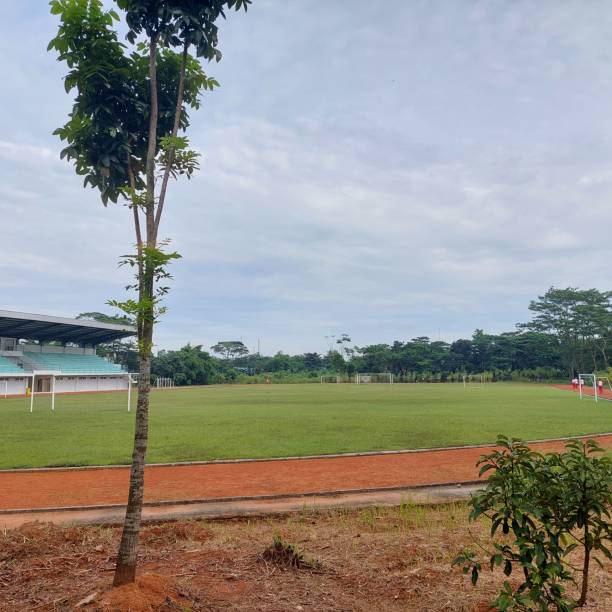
(55, 354)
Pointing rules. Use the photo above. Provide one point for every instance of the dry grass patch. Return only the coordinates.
(387, 559)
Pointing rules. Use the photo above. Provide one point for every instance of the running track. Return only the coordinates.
(103, 486)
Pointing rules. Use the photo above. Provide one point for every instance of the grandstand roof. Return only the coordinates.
(43, 328)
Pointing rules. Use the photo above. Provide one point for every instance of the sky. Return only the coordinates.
(383, 169)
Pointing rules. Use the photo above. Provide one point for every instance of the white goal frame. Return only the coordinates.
(31, 394)
(473, 380)
(330, 379)
(4, 381)
(164, 383)
(52, 393)
(365, 378)
(593, 379)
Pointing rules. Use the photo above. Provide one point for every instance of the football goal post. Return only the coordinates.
(473, 380)
(587, 386)
(164, 383)
(366, 378)
(597, 387)
(330, 378)
(45, 394)
(12, 385)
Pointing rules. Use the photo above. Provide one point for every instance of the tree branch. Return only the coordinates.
(177, 120)
(137, 228)
(152, 148)
(134, 206)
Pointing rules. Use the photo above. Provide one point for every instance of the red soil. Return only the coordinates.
(61, 488)
(149, 592)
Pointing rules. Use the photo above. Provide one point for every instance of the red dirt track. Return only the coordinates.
(102, 486)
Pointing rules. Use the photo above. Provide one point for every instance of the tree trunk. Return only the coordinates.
(585, 539)
(585, 569)
(125, 570)
(127, 557)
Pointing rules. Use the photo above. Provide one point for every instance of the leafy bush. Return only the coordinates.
(546, 507)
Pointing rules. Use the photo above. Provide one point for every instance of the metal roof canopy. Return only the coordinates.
(45, 328)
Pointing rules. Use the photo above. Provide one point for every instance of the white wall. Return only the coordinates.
(112, 383)
(67, 384)
(92, 383)
(71, 384)
(14, 386)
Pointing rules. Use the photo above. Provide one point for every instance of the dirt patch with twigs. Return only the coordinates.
(388, 559)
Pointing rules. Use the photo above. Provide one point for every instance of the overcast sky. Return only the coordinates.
(388, 169)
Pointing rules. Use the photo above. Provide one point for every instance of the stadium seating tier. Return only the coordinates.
(67, 363)
(8, 367)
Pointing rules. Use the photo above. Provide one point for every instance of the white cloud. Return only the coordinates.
(386, 174)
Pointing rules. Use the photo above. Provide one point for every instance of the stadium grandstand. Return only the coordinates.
(43, 354)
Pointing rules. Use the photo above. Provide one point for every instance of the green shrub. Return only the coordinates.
(546, 507)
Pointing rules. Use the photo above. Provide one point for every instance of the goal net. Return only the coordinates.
(473, 380)
(374, 377)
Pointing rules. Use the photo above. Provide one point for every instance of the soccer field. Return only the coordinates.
(220, 422)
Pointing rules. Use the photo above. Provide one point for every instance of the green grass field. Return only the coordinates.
(283, 420)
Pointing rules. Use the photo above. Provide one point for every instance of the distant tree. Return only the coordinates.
(281, 362)
(581, 320)
(460, 355)
(105, 318)
(189, 365)
(594, 316)
(336, 361)
(312, 361)
(230, 349)
(121, 352)
(343, 342)
(480, 351)
(373, 358)
(535, 349)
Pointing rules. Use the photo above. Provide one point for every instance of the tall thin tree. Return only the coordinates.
(132, 101)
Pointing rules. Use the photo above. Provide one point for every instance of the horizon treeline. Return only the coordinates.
(570, 333)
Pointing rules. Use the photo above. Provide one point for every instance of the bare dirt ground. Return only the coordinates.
(82, 487)
(363, 560)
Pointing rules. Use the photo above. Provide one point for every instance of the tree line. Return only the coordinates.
(570, 332)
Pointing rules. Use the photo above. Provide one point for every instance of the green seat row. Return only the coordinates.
(68, 363)
(8, 367)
